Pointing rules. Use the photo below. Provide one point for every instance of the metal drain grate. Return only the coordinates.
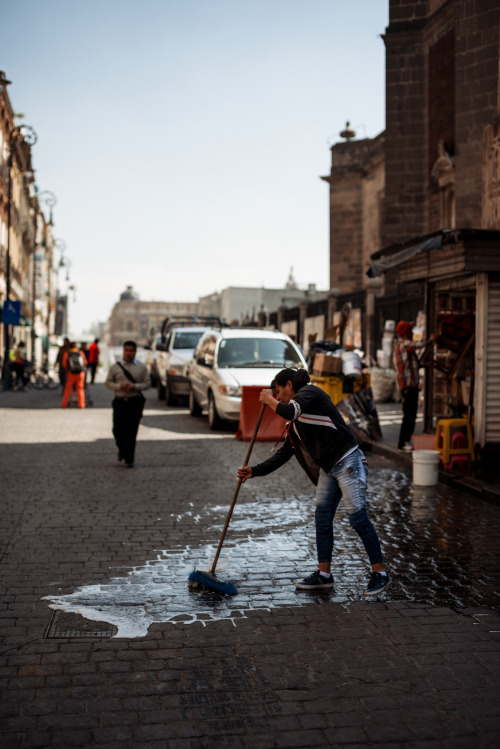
(73, 626)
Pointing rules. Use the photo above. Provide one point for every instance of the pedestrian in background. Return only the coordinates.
(85, 351)
(74, 363)
(93, 359)
(127, 379)
(328, 452)
(19, 366)
(59, 361)
(407, 368)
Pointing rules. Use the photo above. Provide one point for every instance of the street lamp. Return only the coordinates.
(27, 134)
(61, 300)
(49, 199)
(45, 197)
(67, 265)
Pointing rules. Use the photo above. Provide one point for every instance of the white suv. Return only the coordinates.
(173, 353)
(227, 359)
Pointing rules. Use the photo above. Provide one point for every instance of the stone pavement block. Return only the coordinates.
(36, 740)
(121, 733)
(313, 721)
(300, 738)
(442, 730)
(18, 723)
(339, 735)
(56, 721)
(388, 733)
(68, 737)
(338, 718)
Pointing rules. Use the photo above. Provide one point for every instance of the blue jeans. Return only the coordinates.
(346, 479)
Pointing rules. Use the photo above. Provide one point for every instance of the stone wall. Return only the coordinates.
(477, 58)
(356, 202)
(442, 90)
(490, 218)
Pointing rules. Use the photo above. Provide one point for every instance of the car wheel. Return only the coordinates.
(170, 399)
(160, 390)
(214, 420)
(194, 406)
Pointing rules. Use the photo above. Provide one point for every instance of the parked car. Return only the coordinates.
(174, 349)
(226, 360)
(151, 353)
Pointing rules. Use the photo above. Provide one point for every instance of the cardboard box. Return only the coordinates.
(325, 364)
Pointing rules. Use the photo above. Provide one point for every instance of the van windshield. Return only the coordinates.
(187, 338)
(257, 352)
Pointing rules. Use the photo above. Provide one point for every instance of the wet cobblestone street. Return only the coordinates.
(100, 631)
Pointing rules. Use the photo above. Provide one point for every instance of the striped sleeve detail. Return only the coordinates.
(317, 419)
(297, 409)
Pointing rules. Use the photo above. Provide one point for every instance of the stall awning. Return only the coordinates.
(383, 264)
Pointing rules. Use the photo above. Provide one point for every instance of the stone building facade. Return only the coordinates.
(442, 94)
(26, 241)
(356, 182)
(437, 165)
(133, 319)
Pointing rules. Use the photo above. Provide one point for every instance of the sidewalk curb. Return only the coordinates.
(469, 484)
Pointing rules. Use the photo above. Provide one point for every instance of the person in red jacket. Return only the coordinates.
(74, 363)
(93, 359)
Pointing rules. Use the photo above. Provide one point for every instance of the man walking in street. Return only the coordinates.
(127, 379)
(93, 359)
(407, 367)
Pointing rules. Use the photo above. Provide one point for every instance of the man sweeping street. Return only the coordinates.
(127, 379)
(328, 452)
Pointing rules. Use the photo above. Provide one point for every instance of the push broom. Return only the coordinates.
(208, 579)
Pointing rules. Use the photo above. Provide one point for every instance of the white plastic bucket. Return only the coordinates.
(425, 467)
(351, 364)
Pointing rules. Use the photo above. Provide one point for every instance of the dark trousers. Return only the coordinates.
(92, 368)
(410, 407)
(19, 369)
(126, 417)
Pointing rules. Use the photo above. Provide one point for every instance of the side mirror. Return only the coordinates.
(202, 361)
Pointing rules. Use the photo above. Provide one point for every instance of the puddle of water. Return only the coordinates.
(432, 545)
(263, 566)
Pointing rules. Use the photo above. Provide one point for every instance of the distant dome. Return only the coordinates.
(129, 293)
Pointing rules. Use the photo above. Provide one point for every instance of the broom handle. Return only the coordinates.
(236, 492)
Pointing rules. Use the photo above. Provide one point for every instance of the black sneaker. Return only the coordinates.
(377, 583)
(315, 581)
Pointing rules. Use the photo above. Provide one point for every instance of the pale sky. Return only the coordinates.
(185, 139)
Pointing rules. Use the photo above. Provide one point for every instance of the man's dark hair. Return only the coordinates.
(96, 340)
(130, 343)
(298, 378)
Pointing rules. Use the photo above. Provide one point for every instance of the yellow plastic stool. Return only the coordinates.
(444, 434)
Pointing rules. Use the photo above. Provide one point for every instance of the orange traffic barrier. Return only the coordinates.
(272, 425)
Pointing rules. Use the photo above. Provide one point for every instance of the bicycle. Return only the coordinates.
(41, 378)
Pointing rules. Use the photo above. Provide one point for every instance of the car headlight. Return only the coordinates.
(235, 392)
(176, 369)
